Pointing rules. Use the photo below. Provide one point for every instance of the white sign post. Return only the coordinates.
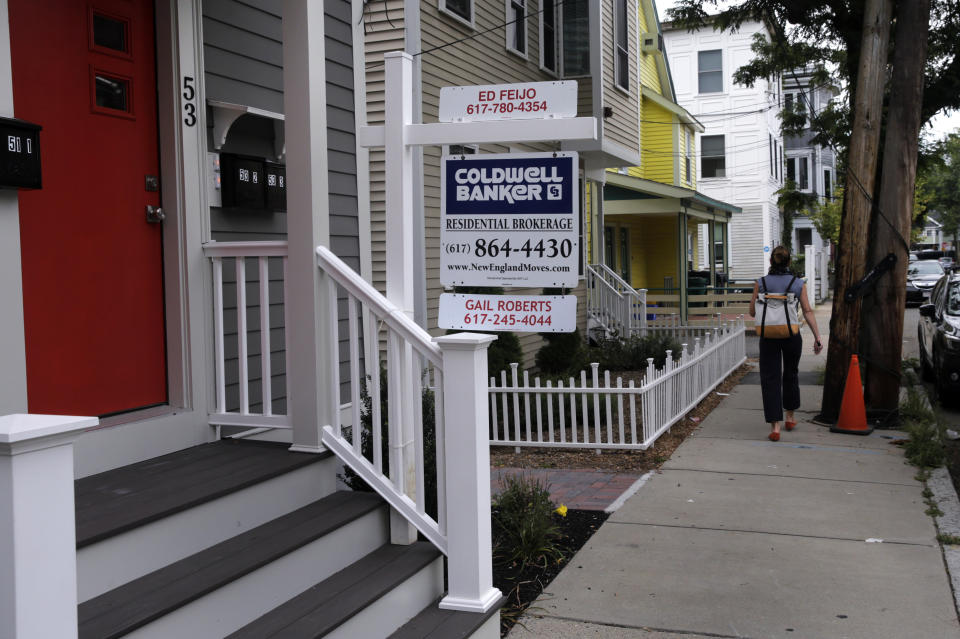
(509, 220)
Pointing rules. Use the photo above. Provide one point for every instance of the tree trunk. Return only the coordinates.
(883, 325)
(861, 172)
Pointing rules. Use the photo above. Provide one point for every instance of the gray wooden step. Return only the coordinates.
(147, 599)
(122, 499)
(435, 623)
(325, 607)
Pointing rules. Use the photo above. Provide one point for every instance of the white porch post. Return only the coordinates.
(38, 550)
(810, 268)
(13, 361)
(312, 400)
(467, 446)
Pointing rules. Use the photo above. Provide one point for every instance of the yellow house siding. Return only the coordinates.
(622, 127)
(656, 252)
(658, 149)
(648, 61)
(585, 97)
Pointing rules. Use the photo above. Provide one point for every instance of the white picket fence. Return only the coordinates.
(597, 414)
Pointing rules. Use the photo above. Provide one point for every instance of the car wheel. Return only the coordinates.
(925, 369)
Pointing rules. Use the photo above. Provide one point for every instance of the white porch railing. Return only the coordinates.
(251, 389)
(454, 367)
(613, 303)
(599, 415)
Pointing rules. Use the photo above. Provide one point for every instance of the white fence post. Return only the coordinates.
(467, 446)
(810, 266)
(38, 550)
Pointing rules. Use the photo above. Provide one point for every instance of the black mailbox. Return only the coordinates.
(276, 186)
(242, 181)
(19, 154)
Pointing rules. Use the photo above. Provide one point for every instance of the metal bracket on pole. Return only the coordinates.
(860, 288)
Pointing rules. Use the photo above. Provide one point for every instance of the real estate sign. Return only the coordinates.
(523, 101)
(522, 313)
(510, 220)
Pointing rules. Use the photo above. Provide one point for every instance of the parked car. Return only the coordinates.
(938, 336)
(921, 276)
(946, 262)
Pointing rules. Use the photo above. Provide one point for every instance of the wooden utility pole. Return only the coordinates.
(890, 232)
(851, 249)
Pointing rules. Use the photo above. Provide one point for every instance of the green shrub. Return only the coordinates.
(631, 354)
(561, 354)
(925, 447)
(428, 406)
(523, 525)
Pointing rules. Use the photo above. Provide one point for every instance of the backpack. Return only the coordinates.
(781, 311)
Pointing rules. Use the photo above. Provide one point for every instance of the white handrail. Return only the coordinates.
(454, 366)
(613, 303)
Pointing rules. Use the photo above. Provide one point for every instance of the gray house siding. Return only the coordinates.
(243, 65)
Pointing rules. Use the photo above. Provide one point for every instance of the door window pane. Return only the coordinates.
(112, 93)
(110, 33)
(711, 71)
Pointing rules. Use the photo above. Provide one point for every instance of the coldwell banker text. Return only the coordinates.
(522, 184)
(508, 184)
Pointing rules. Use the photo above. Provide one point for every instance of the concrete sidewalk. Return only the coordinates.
(819, 535)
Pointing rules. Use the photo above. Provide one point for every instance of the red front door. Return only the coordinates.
(92, 264)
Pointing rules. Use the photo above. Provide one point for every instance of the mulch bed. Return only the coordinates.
(521, 585)
(618, 461)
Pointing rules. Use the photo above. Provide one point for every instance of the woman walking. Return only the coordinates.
(780, 357)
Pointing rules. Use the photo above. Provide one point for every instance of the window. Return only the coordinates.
(804, 238)
(827, 183)
(625, 254)
(719, 253)
(576, 38)
(798, 171)
(460, 149)
(517, 26)
(608, 256)
(772, 171)
(711, 71)
(462, 9)
(712, 156)
(548, 36)
(622, 60)
(687, 158)
(565, 50)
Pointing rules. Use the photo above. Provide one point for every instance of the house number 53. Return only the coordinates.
(189, 104)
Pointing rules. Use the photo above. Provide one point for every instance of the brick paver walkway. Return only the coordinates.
(579, 489)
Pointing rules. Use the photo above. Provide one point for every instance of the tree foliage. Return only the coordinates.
(826, 215)
(791, 202)
(939, 183)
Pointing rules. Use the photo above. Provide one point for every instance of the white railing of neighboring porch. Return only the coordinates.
(600, 415)
(613, 303)
(236, 255)
(454, 367)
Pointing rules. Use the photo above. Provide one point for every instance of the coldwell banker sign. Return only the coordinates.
(510, 220)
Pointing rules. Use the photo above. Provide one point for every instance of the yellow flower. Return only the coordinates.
(562, 510)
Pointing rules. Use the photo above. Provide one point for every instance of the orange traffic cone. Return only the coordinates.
(853, 413)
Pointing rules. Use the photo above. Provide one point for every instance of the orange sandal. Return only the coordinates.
(790, 425)
(774, 436)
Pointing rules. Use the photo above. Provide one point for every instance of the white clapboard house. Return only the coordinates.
(181, 366)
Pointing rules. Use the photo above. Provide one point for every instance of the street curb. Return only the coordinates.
(945, 496)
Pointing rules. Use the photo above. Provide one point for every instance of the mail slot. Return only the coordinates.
(19, 154)
(276, 186)
(243, 182)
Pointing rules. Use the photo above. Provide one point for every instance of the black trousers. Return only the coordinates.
(779, 360)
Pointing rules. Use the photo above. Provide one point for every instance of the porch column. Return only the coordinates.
(312, 400)
(712, 251)
(13, 361)
(466, 445)
(38, 548)
(682, 263)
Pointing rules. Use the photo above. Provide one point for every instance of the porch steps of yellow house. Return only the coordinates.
(246, 539)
